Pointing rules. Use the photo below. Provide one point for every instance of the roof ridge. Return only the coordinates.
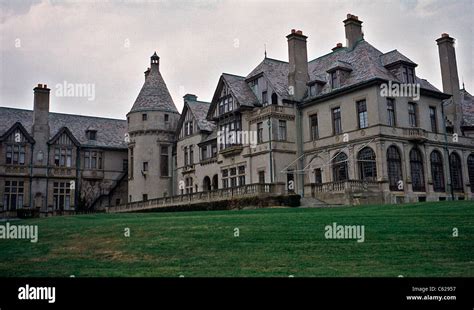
(60, 113)
(230, 74)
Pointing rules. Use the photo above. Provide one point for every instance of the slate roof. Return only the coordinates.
(467, 106)
(154, 95)
(364, 62)
(110, 132)
(199, 110)
(394, 57)
(276, 71)
(240, 89)
(210, 136)
(339, 64)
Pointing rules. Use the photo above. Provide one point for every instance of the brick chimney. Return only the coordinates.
(298, 64)
(353, 27)
(41, 118)
(338, 46)
(450, 78)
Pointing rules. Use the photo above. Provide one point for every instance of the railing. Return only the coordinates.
(249, 190)
(415, 133)
(343, 186)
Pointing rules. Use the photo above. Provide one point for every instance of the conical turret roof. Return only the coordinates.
(154, 95)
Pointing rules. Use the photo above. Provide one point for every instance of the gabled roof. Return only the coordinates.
(66, 131)
(110, 132)
(393, 57)
(154, 95)
(13, 128)
(239, 89)
(276, 71)
(199, 110)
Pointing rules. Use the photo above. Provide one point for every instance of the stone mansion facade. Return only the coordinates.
(323, 129)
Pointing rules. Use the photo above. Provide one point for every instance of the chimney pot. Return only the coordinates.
(353, 29)
(293, 30)
(444, 35)
(40, 85)
(299, 32)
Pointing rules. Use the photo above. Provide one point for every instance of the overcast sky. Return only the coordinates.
(109, 43)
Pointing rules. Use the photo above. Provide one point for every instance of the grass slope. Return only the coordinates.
(409, 240)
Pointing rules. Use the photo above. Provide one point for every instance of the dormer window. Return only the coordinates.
(315, 87)
(254, 86)
(338, 73)
(334, 80)
(408, 75)
(264, 98)
(91, 135)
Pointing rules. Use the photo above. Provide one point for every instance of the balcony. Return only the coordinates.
(232, 150)
(272, 110)
(62, 171)
(93, 174)
(16, 169)
(415, 134)
(189, 168)
(344, 186)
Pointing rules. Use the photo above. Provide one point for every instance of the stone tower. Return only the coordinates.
(152, 124)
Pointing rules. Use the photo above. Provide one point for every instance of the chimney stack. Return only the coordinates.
(298, 64)
(353, 27)
(41, 119)
(450, 78)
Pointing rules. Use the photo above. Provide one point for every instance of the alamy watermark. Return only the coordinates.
(335, 231)
(400, 90)
(243, 137)
(67, 89)
(9, 231)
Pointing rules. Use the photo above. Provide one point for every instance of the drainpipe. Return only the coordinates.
(299, 147)
(447, 152)
(78, 171)
(269, 123)
(31, 173)
(47, 179)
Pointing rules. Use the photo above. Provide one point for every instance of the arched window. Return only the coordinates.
(456, 172)
(274, 98)
(394, 167)
(367, 164)
(417, 173)
(339, 167)
(437, 172)
(470, 170)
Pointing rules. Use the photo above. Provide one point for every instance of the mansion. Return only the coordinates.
(323, 130)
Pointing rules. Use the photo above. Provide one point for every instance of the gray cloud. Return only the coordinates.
(108, 43)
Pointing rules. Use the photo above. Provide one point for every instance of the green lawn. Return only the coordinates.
(409, 240)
